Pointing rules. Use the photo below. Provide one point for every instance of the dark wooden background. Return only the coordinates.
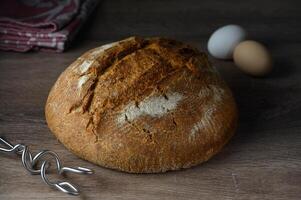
(262, 161)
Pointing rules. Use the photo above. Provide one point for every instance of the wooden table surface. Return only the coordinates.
(262, 161)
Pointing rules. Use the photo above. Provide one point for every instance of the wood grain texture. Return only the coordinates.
(263, 160)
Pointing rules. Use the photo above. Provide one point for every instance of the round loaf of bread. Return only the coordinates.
(142, 105)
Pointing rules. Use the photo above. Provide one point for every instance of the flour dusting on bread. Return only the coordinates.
(155, 106)
(212, 90)
(204, 123)
(88, 63)
(82, 80)
(85, 66)
(217, 95)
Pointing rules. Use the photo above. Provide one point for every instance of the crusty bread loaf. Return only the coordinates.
(142, 106)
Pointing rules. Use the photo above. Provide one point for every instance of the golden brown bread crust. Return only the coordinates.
(142, 106)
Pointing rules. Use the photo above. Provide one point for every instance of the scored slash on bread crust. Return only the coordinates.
(142, 106)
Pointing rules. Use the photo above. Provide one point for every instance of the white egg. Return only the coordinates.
(223, 41)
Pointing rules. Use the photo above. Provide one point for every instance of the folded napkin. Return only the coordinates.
(41, 24)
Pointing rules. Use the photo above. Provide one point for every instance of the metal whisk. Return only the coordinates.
(30, 164)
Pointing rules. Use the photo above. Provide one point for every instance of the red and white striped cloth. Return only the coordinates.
(41, 24)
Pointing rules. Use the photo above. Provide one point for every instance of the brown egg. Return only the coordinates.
(252, 58)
